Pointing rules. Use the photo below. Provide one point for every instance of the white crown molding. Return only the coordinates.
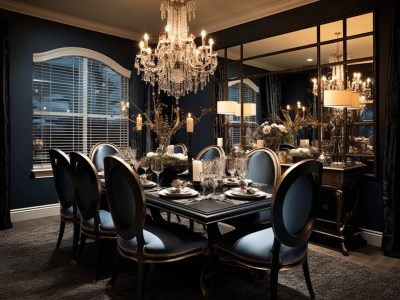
(263, 11)
(46, 14)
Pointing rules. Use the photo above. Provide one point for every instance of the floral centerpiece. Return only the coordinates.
(272, 134)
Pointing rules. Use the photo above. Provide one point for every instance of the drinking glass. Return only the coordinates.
(144, 164)
(231, 166)
(241, 168)
(210, 173)
(157, 167)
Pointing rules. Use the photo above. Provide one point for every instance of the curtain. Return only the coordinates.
(273, 95)
(5, 220)
(391, 167)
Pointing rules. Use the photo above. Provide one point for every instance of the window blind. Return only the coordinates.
(76, 104)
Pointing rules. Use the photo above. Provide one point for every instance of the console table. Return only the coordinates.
(338, 203)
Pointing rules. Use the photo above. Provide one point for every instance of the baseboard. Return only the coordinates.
(373, 238)
(28, 213)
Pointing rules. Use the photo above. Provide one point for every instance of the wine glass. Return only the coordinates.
(203, 183)
(157, 166)
(145, 165)
(231, 166)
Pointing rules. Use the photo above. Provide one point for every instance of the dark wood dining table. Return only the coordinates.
(208, 211)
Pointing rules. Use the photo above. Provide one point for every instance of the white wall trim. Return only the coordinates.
(28, 213)
(373, 238)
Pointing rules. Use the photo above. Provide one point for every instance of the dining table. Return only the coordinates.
(211, 209)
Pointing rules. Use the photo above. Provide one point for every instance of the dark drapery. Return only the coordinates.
(5, 221)
(391, 169)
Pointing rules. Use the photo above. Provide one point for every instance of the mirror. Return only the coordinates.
(298, 67)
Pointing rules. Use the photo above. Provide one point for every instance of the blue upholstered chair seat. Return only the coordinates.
(107, 224)
(164, 239)
(67, 213)
(257, 247)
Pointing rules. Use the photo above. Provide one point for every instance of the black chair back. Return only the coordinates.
(295, 202)
(211, 152)
(180, 148)
(125, 196)
(101, 150)
(62, 177)
(87, 186)
(263, 166)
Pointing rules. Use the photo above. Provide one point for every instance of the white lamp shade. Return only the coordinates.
(249, 109)
(338, 98)
(226, 107)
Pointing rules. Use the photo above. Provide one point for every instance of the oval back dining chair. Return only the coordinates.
(101, 150)
(180, 148)
(284, 245)
(66, 195)
(139, 238)
(263, 167)
(96, 223)
(211, 152)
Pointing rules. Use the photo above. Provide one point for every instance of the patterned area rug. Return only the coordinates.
(31, 268)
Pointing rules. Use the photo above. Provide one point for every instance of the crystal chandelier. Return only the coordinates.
(177, 64)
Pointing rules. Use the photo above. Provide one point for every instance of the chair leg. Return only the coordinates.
(141, 280)
(118, 259)
(81, 246)
(75, 241)
(307, 276)
(97, 259)
(61, 233)
(274, 283)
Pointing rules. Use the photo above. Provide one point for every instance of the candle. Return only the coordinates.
(197, 169)
(220, 142)
(304, 143)
(298, 104)
(189, 123)
(203, 35)
(139, 123)
(288, 107)
(260, 144)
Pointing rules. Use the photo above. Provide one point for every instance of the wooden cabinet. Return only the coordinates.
(335, 223)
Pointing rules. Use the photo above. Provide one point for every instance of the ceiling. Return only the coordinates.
(132, 18)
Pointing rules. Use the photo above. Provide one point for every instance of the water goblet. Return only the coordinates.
(157, 166)
(145, 164)
(231, 166)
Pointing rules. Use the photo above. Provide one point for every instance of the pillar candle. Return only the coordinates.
(139, 123)
(260, 144)
(220, 142)
(304, 143)
(189, 123)
(197, 169)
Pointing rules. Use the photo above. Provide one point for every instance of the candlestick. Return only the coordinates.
(139, 123)
(139, 143)
(189, 124)
(190, 156)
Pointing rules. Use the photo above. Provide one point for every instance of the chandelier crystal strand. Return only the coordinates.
(177, 65)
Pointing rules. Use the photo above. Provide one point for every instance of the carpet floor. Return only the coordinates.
(31, 268)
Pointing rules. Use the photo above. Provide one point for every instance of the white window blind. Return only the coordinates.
(76, 104)
(250, 95)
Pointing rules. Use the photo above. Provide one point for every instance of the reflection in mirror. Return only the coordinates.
(287, 60)
(281, 42)
(331, 53)
(360, 48)
(360, 24)
(328, 31)
(234, 70)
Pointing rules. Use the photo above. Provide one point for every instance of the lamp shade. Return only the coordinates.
(249, 109)
(338, 98)
(355, 101)
(226, 107)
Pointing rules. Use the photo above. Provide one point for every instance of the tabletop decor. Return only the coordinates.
(164, 126)
(273, 135)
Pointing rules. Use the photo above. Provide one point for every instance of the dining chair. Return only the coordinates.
(139, 238)
(283, 147)
(284, 245)
(101, 150)
(96, 223)
(180, 148)
(66, 196)
(211, 152)
(263, 167)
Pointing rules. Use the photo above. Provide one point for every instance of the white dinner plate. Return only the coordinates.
(149, 184)
(185, 193)
(242, 194)
(235, 182)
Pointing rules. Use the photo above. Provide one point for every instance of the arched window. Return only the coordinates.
(80, 98)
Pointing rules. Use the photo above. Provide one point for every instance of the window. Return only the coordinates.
(250, 95)
(79, 99)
